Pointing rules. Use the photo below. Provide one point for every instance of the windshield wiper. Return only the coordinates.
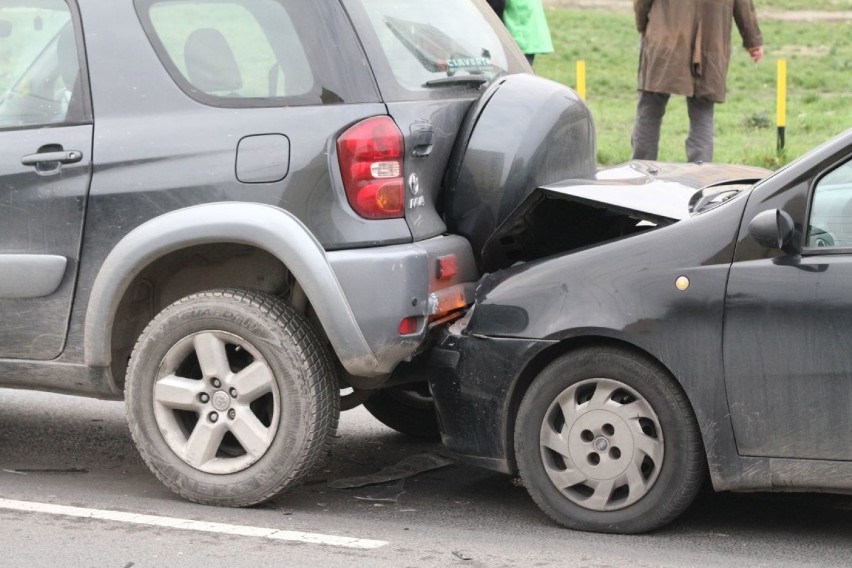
(470, 80)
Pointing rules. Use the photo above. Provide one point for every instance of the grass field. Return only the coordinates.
(828, 5)
(819, 60)
(818, 54)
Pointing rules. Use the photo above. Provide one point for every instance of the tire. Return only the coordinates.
(408, 409)
(251, 424)
(606, 441)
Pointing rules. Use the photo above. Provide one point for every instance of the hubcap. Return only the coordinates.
(601, 444)
(221, 401)
(204, 378)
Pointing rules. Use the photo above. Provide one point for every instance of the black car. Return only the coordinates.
(661, 322)
(228, 212)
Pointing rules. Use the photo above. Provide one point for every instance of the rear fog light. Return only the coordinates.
(409, 325)
(448, 266)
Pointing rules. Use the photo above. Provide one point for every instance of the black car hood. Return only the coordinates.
(630, 198)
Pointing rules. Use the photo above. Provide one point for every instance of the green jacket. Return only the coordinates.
(526, 22)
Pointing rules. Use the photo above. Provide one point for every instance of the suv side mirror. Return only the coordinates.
(772, 228)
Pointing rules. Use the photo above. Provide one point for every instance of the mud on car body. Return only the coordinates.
(229, 210)
(659, 322)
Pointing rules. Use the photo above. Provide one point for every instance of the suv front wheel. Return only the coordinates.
(231, 397)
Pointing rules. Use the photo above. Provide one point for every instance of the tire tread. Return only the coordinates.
(693, 470)
(325, 413)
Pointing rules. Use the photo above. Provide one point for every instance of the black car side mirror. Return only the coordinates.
(772, 228)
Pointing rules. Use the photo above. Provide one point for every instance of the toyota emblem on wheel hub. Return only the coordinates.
(221, 400)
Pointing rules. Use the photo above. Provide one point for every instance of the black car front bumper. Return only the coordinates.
(474, 382)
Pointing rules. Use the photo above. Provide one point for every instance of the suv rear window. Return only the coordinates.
(258, 52)
(422, 49)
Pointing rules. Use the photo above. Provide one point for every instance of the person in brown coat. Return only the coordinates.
(685, 50)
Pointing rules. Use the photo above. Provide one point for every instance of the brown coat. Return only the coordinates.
(686, 44)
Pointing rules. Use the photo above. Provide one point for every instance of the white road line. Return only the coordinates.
(190, 525)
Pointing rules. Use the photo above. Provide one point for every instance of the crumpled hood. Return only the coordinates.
(626, 199)
(654, 189)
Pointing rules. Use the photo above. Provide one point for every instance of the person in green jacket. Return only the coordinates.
(526, 22)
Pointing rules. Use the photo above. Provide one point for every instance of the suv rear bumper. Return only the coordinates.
(360, 296)
(386, 285)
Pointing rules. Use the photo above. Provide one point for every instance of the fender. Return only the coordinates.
(264, 226)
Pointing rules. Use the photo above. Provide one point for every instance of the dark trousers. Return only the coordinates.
(649, 118)
(498, 6)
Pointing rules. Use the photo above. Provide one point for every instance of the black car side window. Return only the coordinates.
(39, 67)
(233, 51)
(831, 210)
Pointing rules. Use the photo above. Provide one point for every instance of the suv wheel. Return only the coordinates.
(231, 397)
(606, 441)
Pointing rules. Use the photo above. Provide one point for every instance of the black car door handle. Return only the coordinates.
(63, 157)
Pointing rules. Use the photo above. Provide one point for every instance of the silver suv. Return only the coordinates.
(228, 211)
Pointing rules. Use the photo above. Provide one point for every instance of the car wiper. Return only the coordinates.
(471, 80)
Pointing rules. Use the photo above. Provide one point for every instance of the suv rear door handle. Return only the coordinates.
(421, 138)
(62, 157)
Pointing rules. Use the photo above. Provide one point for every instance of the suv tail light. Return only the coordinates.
(370, 155)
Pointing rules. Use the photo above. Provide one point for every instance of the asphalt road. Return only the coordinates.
(66, 451)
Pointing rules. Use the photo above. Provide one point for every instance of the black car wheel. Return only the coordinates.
(231, 397)
(606, 441)
(408, 409)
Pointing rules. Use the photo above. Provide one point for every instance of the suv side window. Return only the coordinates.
(39, 66)
(221, 49)
(831, 211)
(241, 53)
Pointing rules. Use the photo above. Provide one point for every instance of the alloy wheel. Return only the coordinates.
(216, 402)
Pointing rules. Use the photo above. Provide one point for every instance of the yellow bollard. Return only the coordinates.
(782, 103)
(581, 79)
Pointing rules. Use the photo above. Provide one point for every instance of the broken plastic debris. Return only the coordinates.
(462, 555)
(26, 470)
(409, 467)
(386, 492)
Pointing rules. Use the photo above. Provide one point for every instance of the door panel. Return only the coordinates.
(45, 168)
(41, 216)
(788, 357)
(788, 338)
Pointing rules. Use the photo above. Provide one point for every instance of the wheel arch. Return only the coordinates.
(258, 227)
(547, 356)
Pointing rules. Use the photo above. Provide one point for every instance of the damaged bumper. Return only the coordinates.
(471, 378)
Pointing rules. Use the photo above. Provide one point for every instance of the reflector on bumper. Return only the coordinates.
(450, 299)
